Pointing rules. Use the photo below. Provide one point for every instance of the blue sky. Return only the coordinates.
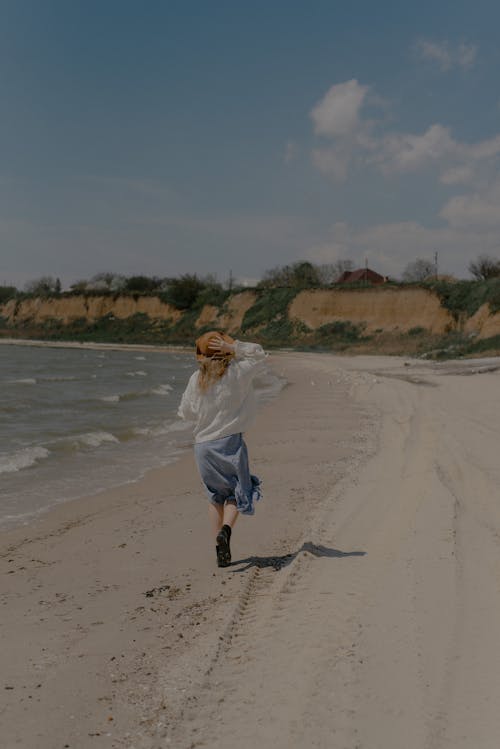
(179, 137)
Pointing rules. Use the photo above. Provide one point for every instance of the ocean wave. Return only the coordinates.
(140, 358)
(139, 373)
(133, 394)
(24, 381)
(180, 426)
(94, 439)
(161, 429)
(23, 458)
(117, 397)
(150, 431)
(161, 389)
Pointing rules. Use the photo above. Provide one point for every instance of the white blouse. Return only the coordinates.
(228, 406)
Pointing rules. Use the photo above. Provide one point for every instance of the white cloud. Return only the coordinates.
(485, 149)
(337, 114)
(457, 175)
(355, 141)
(338, 117)
(333, 161)
(474, 163)
(406, 151)
(447, 56)
(479, 210)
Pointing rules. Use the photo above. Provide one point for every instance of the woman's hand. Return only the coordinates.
(219, 346)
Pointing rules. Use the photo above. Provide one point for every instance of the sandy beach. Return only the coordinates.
(361, 610)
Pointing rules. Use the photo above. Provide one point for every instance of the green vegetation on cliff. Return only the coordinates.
(267, 319)
(464, 298)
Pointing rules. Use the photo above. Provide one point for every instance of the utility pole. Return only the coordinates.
(230, 280)
(436, 264)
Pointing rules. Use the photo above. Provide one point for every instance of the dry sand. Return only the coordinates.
(362, 610)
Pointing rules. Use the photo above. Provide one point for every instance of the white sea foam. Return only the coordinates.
(94, 439)
(139, 373)
(24, 381)
(178, 426)
(162, 389)
(140, 358)
(162, 429)
(23, 458)
(110, 398)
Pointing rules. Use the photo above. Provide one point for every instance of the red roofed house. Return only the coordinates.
(360, 275)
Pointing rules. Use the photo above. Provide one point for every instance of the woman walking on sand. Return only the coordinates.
(219, 397)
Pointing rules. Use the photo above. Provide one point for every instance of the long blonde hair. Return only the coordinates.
(211, 370)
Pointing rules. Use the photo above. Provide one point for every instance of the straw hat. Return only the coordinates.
(202, 350)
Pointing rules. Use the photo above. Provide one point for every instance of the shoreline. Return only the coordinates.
(180, 443)
(39, 343)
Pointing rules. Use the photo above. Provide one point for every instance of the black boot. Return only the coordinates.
(223, 547)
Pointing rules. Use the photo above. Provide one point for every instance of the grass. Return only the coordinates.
(270, 306)
(464, 298)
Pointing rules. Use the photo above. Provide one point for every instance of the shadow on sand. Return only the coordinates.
(277, 563)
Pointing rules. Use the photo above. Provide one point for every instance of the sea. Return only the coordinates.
(75, 421)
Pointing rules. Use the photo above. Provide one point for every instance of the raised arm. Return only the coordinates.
(240, 349)
(249, 351)
(187, 410)
(249, 358)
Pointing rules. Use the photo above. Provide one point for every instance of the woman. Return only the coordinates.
(219, 397)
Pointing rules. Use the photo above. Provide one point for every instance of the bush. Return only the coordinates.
(44, 286)
(6, 293)
(183, 292)
(271, 305)
(342, 331)
(485, 267)
(211, 294)
(418, 330)
(466, 297)
(300, 275)
(142, 284)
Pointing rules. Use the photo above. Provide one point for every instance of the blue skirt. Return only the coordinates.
(224, 470)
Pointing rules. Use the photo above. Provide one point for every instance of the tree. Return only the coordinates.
(79, 287)
(6, 293)
(182, 292)
(331, 272)
(43, 286)
(142, 283)
(302, 275)
(484, 267)
(419, 270)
